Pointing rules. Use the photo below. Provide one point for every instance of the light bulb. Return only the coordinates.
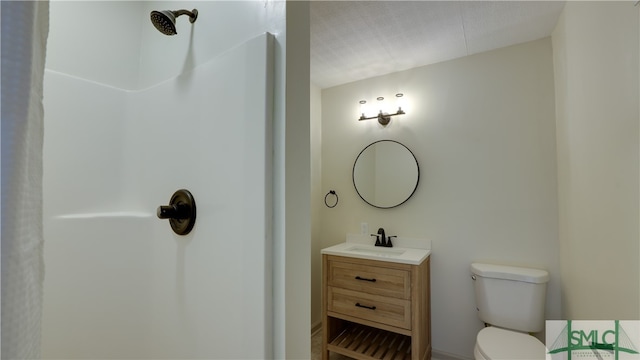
(400, 103)
(363, 109)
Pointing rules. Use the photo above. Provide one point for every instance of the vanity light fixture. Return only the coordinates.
(383, 118)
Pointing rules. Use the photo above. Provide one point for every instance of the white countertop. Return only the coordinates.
(362, 247)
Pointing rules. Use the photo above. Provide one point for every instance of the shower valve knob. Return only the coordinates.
(176, 211)
(165, 211)
(181, 212)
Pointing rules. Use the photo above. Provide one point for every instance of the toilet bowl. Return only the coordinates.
(493, 343)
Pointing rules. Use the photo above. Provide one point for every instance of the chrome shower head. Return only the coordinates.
(165, 20)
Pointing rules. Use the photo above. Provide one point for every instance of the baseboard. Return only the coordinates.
(315, 328)
(441, 355)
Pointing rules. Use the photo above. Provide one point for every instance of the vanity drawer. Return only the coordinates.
(381, 309)
(376, 280)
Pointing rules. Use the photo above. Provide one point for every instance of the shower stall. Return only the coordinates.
(131, 116)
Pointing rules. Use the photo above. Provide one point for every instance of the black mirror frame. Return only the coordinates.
(353, 174)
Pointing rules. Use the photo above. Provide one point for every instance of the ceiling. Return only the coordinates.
(355, 40)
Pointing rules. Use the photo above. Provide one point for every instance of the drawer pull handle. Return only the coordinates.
(366, 307)
(365, 279)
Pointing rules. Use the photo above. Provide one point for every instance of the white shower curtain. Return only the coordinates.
(25, 26)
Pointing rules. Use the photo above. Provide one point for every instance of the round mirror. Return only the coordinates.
(386, 174)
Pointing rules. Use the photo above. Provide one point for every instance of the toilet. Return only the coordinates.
(510, 301)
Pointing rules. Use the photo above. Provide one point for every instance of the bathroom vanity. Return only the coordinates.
(376, 302)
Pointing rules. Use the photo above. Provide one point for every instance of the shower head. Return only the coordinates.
(165, 20)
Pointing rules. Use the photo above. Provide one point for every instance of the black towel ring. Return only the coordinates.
(331, 192)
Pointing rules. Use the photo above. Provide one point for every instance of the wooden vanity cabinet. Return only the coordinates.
(375, 309)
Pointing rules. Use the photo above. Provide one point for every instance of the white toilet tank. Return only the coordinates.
(510, 297)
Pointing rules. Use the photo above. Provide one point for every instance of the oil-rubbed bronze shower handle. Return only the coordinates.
(175, 211)
(181, 212)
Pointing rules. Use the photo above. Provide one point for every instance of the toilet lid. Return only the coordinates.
(499, 344)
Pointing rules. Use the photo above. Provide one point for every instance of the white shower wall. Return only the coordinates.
(97, 40)
(115, 272)
(114, 43)
(84, 153)
(119, 283)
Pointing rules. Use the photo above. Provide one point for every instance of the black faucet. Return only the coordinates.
(381, 239)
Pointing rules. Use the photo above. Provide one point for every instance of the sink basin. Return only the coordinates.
(403, 255)
(376, 251)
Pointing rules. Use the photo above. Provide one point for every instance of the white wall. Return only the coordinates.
(131, 55)
(114, 43)
(317, 202)
(95, 123)
(201, 295)
(96, 40)
(221, 25)
(596, 64)
(483, 131)
(292, 215)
